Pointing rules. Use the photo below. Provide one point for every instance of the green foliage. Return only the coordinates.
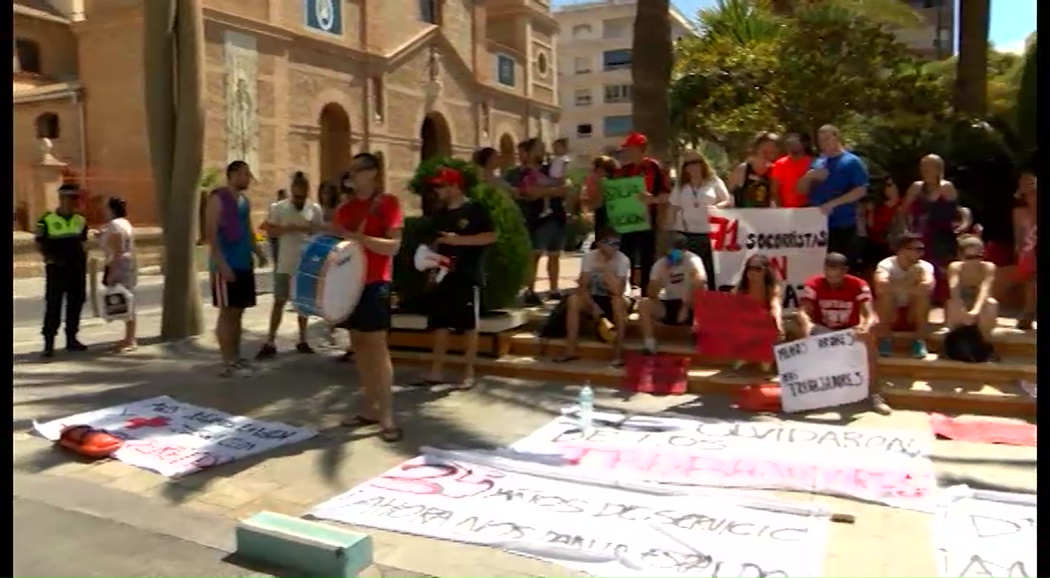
(506, 263)
(1027, 101)
(209, 179)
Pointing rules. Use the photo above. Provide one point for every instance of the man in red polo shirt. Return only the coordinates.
(789, 169)
(373, 219)
(835, 301)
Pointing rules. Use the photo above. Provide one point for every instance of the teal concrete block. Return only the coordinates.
(305, 546)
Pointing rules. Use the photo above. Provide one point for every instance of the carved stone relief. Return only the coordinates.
(242, 122)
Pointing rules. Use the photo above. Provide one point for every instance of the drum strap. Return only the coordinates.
(373, 210)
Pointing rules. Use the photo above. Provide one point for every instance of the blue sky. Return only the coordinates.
(1012, 20)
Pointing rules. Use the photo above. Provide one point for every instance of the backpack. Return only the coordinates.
(967, 344)
(555, 326)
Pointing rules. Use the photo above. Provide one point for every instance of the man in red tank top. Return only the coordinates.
(373, 219)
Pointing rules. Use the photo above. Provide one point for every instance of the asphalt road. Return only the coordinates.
(52, 541)
(29, 300)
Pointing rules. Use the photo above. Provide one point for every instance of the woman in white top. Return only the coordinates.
(698, 189)
(117, 240)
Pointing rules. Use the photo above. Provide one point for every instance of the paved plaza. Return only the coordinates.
(317, 392)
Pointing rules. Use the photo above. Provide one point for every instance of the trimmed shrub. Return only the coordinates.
(506, 263)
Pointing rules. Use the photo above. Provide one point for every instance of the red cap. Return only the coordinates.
(447, 177)
(635, 139)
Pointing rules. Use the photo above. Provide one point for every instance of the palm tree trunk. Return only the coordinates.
(971, 78)
(174, 79)
(651, 61)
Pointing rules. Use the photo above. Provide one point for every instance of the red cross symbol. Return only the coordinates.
(140, 422)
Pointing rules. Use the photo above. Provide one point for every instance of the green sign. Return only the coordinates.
(623, 204)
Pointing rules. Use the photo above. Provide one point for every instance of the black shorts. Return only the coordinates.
(672, 307)
(236, 294)
(373, 309)
(454, 304)
(604, 302)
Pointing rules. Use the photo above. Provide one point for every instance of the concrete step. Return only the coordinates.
(935, 395)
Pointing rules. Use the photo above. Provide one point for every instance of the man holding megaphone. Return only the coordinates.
(465, 230)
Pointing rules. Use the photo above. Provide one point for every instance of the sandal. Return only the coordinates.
(359, 421)
(566, 358)
(427, 382)
(391, 434)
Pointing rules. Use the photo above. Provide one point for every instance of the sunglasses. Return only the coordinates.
(611, 242)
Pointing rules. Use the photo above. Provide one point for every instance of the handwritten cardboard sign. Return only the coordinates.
(174, 438)
(733, 326)
(600, 530)
(623, 204)
(886, 466)
(986, 533)
(822, 371)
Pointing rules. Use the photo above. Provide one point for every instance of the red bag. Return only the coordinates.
(660, 374)
(88, 441)
(764, 397)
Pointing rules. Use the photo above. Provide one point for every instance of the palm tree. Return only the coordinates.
(894, 13)
(174, 68)
(651, 62)
(971, 78)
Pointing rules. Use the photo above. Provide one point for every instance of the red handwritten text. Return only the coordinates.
(760, 472)
(191, 458)
(436, 479)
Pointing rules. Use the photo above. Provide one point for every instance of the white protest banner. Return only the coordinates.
(886, 466)
(174, 438)
(822, 371)
(982, 534)
(602, 531)
(794, 240)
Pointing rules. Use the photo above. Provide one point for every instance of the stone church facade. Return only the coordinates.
(290, 85)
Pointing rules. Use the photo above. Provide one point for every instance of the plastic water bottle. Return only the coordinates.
(586, 407)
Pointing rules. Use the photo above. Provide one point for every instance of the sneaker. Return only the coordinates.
(879, 405)
(267, 351)
(1024, 324)
(648, 351)
(227, 370)
(243, 368)
(74, 345)
(304, 347)
(919, 350)
(885, 347)
(532, 299)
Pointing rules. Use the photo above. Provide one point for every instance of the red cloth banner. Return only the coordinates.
(733, 326)
(656, 374)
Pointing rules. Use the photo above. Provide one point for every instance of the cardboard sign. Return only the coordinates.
(623, 204)
(794, 240)
(823, 371)
(656, 374)
(733, 326)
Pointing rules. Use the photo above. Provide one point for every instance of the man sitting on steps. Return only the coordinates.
(904, 286)
(835, 301)
(601, 293)
(676, 276)
(970, 282)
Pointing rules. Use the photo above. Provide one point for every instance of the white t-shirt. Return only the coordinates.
(592, 265)
(284, 213)
(693, 202)
(677, 280)
(896, 274)
(558, 167)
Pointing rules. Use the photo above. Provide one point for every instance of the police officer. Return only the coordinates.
(61, 236)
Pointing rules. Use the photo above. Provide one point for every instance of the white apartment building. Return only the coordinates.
(594, 73)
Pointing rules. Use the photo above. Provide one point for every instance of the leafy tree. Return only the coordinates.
(652, 58)
(1027, 121)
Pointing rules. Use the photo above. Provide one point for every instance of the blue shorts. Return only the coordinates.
(373, 310)
(548, 236)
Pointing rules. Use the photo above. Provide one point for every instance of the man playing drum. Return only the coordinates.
(291, 221)
(465, 229)
(373, 219)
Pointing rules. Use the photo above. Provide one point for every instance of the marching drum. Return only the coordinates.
(330, 278)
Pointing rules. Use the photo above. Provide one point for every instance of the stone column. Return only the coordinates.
(47, 177)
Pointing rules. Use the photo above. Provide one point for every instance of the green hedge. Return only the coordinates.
(506, 263)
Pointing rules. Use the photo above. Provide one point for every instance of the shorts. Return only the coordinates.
(672, 307)
(282, 286)
(548, 236)
(605, 304)
(236, 294)
(454, 305)
(373, 310)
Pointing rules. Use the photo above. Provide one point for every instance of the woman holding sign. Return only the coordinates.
(698, 189)
(760, 282)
